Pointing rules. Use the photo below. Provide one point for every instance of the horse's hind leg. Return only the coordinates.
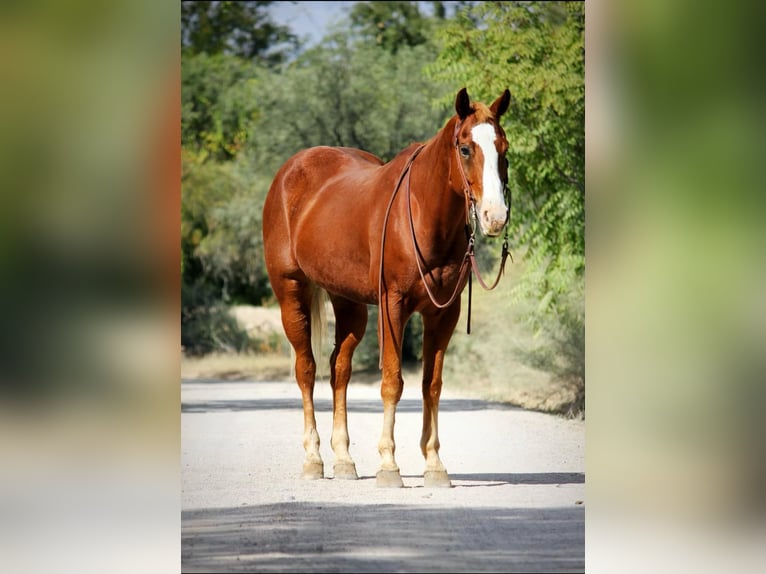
(350, 323)
(295, 302)
(437, 331)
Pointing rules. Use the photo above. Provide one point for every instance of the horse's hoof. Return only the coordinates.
(388, 479)
(312, 471)
(436, 479)
(345, 470)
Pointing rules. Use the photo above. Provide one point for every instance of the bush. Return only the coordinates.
(207, 326)
(367, 355)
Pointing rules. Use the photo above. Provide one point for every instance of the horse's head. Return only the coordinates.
(481, 146)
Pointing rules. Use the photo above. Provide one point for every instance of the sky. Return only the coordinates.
(309, 19)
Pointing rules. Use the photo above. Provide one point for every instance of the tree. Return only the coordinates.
(222, 255)
(537, 50)
(242, 29)
(218, 110)
(342, 94)
(220, 240)
(391, 25)
(218, 106)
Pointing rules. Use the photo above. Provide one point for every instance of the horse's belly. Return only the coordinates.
(340, 267)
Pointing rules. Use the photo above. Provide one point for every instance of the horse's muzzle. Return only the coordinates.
(492, 220)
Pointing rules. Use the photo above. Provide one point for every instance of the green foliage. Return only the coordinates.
(232, 251)
(340, 94)
(537, 51)
(218, 104)
(367, 354)
(206, 325)
(222, 256)
(389, 25)
(220, 215)
(221, 209)
(242, 29)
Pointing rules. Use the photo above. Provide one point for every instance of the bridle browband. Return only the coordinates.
(469, 259)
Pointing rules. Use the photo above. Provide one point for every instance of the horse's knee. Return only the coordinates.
(391, 389)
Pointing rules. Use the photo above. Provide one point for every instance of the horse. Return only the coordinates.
(336, 223)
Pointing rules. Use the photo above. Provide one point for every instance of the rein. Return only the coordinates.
(469, 259)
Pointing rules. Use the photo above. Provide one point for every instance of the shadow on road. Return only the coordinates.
(524, 478)
(383, 538)
(325, 405)
(498, 479)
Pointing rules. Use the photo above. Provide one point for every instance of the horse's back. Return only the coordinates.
(310, 169)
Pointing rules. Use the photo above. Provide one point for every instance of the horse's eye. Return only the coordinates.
(465, 151)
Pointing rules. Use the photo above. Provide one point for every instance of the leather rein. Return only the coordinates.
(469, 259)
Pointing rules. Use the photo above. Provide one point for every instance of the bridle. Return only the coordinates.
(471, 217)
(469, 259)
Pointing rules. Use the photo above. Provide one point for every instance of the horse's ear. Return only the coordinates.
(462, 104)
(500, 105)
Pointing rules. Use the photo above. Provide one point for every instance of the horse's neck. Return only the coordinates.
(436, 190)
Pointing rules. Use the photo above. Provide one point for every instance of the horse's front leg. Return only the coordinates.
(392, 324)
(437, 332)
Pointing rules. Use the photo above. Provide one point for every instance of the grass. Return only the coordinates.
(501, 359)
(237, 367)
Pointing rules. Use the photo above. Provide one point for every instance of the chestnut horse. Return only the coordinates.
(398, 235)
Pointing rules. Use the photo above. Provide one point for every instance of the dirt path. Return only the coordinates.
(517, 502)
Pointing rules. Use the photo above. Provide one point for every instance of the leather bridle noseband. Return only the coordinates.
(469, 259)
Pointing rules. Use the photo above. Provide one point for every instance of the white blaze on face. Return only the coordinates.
(492, 210)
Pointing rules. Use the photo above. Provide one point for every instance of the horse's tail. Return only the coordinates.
(319, 300)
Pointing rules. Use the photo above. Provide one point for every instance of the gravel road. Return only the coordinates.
(516, 505)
